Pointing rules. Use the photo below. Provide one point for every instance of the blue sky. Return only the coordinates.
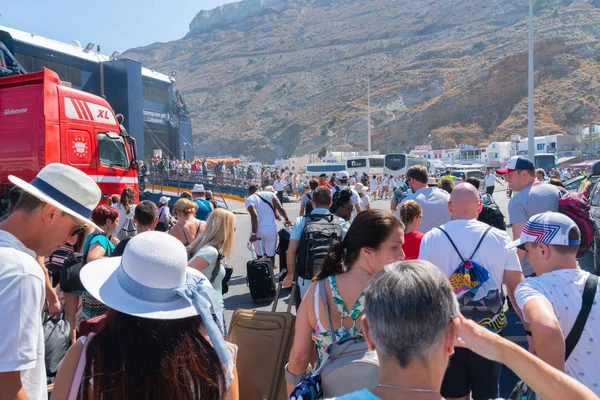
(114, 25)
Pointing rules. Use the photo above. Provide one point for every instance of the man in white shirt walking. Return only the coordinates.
(553, 301)
(463, 248)
(279, 185)
(52, 210)
(490, 182)
(263, 208)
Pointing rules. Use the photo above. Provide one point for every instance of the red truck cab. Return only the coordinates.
(44, 122)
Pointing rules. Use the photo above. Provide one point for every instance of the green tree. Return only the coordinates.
(322, 153)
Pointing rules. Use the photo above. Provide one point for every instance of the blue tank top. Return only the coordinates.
(204, 209)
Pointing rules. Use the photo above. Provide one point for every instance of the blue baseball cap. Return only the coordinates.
(517, 163)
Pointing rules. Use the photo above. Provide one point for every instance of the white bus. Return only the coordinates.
(365, 164)
(314, 170)
(398, 164)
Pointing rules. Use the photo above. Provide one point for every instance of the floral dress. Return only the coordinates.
(322, 336)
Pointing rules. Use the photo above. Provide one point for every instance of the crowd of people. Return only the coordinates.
(420, 288)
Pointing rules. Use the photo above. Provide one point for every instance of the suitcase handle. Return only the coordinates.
(262, 247)
(292, 297)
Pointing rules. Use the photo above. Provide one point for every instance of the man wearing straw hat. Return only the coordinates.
(53, 209)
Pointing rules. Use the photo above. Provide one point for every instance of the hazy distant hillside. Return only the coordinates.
(269, 78)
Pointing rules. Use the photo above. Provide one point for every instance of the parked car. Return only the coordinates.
(573, 184)
(463, 175)
(590, 187)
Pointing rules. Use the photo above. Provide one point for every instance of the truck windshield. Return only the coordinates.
(111, 152)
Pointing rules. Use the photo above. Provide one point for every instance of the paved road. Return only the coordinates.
(239, 296)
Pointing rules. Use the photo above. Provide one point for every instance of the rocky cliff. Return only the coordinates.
(269, 78)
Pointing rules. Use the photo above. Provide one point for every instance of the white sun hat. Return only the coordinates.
(198, 188)
(66, 188)
(152, 280)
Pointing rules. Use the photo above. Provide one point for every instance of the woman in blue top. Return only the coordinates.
(97, 246)
(215, 243)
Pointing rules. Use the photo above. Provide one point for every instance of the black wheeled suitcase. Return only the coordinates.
(260, 277)
(282, 247)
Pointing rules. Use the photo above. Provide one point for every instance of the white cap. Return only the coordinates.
(164, 200)
(343, 175)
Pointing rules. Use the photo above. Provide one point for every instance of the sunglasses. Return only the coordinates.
(80, 228)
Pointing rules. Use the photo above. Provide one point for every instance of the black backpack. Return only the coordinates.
(491, 215)
(69, 274)
(319, 233)
(339, 194)
(309, 207)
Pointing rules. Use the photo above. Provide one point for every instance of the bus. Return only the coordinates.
(398, 164)
(365, 164)
(316, 169)
(545, 161)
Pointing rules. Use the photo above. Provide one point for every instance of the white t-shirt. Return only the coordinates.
(278, 185)
(163, 214)
(385, 181)
(373, 184)
(365, 201)
(490, 180)
(565, 175)
(355, 198)
(22, 296)
(266, 216)
(491, 255)
(563, 289)
(123, 215)
(352, 180)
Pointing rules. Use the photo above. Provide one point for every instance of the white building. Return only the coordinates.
(296, 163)
(469, 154)
(554, 144)
(445, 156)
(498, 153)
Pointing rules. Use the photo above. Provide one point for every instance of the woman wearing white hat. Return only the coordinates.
(160, 340)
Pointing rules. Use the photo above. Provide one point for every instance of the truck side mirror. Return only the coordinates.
(135, 165)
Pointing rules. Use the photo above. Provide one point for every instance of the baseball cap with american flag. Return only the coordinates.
(547, 228)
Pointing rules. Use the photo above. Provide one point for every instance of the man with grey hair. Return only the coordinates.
(472, 255)
(413, 350)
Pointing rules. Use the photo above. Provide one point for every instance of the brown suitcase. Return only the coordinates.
(264, 340)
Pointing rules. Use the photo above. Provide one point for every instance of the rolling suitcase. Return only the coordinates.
(260, 277)
(264, 340)
(282, 247)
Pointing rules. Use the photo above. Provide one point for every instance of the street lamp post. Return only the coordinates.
(369, 114)
(530, 116)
